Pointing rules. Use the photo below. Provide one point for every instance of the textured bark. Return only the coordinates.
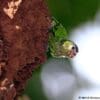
(24, 35)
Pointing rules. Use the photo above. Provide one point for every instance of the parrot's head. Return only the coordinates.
(70, 48)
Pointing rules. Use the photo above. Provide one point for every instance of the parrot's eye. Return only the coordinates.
(73, 47)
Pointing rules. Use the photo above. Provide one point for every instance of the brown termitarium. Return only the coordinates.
(24, 35)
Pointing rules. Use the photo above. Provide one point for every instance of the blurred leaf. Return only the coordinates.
(73, 12)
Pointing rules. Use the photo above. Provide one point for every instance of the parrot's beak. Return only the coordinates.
(72, 53)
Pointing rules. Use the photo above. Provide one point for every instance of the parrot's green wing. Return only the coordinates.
(58, 30)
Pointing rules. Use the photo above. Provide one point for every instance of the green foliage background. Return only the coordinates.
(70, 13)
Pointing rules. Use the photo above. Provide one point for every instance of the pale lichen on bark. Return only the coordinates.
(12, 8)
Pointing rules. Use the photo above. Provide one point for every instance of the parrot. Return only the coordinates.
(59, 45)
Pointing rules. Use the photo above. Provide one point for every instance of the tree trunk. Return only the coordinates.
(24, 35)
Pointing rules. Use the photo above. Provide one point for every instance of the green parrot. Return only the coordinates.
(59, 46)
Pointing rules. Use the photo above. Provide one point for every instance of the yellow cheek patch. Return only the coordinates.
(68, 53)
